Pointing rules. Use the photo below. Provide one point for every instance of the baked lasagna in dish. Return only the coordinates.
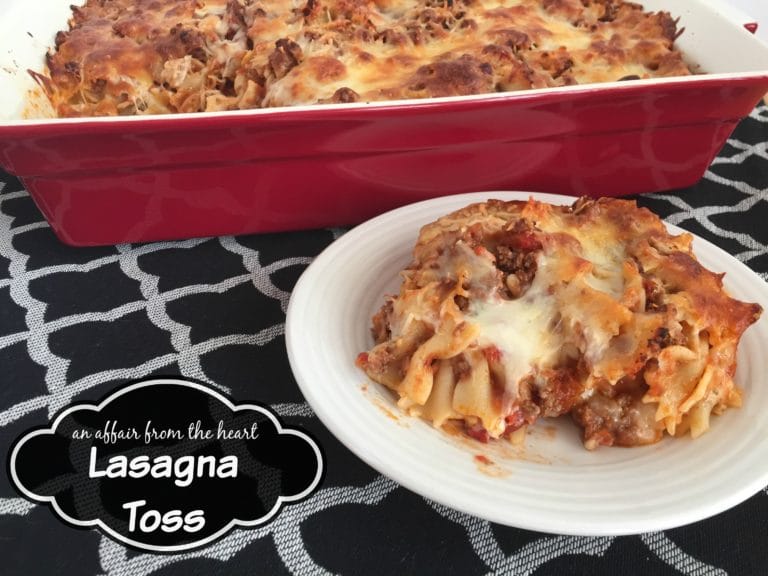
(513, 311)
(125, 57)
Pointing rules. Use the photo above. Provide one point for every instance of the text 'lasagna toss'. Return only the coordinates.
(134, 57)
(513, 311)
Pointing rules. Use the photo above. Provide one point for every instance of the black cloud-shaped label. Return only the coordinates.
(166, 465)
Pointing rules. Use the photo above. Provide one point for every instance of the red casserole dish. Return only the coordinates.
(133, 179)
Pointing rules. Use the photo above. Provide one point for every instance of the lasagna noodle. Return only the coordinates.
(511, 311)
(164, 56)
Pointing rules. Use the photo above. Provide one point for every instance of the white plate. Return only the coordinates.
(553, 484)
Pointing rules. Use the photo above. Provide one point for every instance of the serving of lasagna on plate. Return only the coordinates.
(128, 57)
(514, 311)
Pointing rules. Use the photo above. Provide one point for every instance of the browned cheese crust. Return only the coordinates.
(513, 311)
(125, 57)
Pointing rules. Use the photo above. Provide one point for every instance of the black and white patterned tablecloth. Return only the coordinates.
(75, 323)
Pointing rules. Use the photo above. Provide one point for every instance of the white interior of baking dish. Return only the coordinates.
(714, 42)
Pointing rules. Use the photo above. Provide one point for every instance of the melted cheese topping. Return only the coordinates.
(154, 56)
(512, 311)
(521, 329)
